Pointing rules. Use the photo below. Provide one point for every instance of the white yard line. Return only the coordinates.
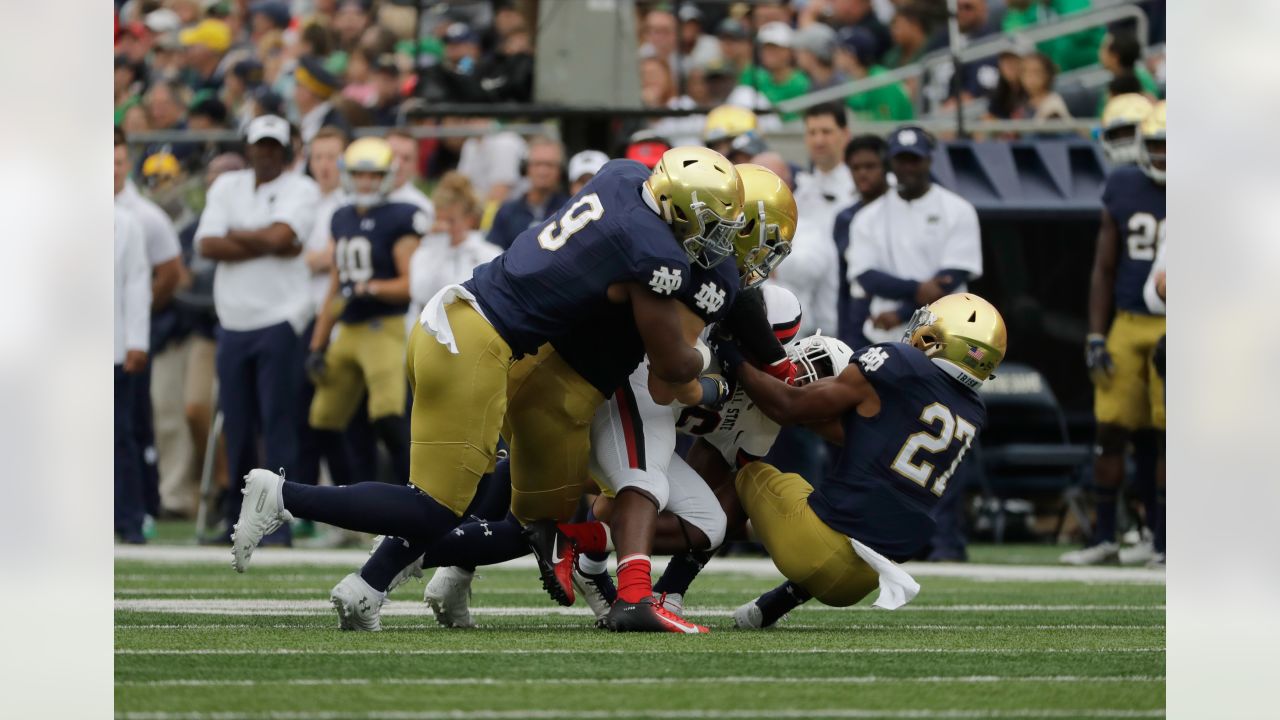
(280, 557)
(730, 680)
(201, 627)
(692, 714)
(630, 651)
(225, 606)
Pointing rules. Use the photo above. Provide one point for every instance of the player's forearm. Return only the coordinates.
(164, 283)
(882, 284)
(392, 292)
(774, 397)
(1101, 295)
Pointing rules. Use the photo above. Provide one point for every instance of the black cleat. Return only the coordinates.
(555, 553)
(645, 616)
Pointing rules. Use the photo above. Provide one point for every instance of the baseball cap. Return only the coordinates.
(587, 162)
(213, 34)
(460, 33)
(314, 76)
(268, 127)
(276, 11)
(859, 42)
(912, 140)
(689, 12)
(162, 20)
(818, 39)
(775, 33)
(731, 28)
(647, 148)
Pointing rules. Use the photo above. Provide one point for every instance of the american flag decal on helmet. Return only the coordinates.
(976, 354)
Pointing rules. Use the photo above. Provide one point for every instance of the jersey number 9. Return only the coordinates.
(953, 427)
(577, 216)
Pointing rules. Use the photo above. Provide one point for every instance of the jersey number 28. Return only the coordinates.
(1145, 235)
(576, 217)
(953, 427)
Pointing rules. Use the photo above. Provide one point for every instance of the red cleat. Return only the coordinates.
(555, 553)
(647, 616)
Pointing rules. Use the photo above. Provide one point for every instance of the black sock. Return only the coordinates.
(371, 507)
(681, 571)
(1105, 528)
(781, 600)
(478, 542)
(393, 555)
(393, 431)
(1157, 522)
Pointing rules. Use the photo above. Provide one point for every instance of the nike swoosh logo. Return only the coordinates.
(679, 626)
(556, 555)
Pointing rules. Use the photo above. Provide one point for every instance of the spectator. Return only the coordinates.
(867, 157)
(858, 13)
(491, 161)
(821, 192)
(165, 183)
(127, 84)
(542, 171)
(646, 148)
(165, 104)
(188, 11)
(349, 23)
(507, 75)
(583, 167)
(160, 243)
(323, 161)
(658, 90)
(764, 12)
(720, 79)
(404, 148)
(780, 167)
(205, 45)
(237, 90)
(1120, 53)
(977, 79)
(1067, 52)
(776, 79)
(313, 87)
(1008, 95)
(386, 91)
(658, 33)
(132, 313)
(910, 32)
(267, 16)
(697, 48)
(815, 47)
(1040, 102)
(254, 225)
(358, 80)
(735, 45)
(450, 255)
(911, 247)
(854, 58)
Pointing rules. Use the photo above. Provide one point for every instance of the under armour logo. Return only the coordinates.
(487, 531)
(665, 281)
(366, 224)
(873, 358)
(709, 298)
(458, 531)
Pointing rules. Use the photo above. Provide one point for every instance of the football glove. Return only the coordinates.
(1098, 359)
(726, 350)
(784, 370)
(315, 366)
(715, 391)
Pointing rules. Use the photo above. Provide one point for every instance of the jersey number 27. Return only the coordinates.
(953, 428)
(576, 217)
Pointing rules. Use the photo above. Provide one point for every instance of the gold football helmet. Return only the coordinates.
(769, 223)
(368, 155)
(1151, 148)
(1120, 120)
(699, 194)
(726, 123)
(961, 333)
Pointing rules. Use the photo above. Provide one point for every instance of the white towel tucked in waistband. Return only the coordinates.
(434, 319)
(897, 588)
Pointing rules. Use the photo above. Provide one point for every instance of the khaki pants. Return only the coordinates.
(179, 482)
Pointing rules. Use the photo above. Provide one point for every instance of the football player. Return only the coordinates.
(906, 414)
(373, 240)
(480, 362)
(1120, 120)
(724, 124)
(1129, 394)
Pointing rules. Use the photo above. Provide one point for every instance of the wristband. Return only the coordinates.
(705, 352)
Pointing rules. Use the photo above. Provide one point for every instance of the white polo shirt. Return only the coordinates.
(913, 240)
(493, 160)
(318, 241)
(133, 286)
(264, 291)
(811, 271)
(159, 235)
(437, 264)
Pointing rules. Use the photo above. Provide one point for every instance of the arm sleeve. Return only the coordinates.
(964, 243)
(137, 290)
(958, 278)
(1154, 303)
(215, 220)
(748, 320)
(296, 207)
(161, 237)
(882, 284)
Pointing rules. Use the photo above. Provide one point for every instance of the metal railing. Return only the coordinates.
(1105, 15)
(156, 137)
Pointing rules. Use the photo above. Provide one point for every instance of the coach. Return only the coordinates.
(253, 225)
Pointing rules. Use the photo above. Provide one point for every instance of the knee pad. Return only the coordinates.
(1112, 440)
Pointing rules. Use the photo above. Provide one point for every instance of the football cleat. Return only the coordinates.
(411, 571)
(748, 617)
(1137, 554)
(1107, 553)
(598, 590)
(448, 594)
(359, 606)
(671, 602)
(1156, 562)
(261, 514)
(648, 616)
(555, 553)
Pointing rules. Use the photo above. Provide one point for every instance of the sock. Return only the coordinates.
(1157, 521)
(478, 542)
(681, 572)
(635, 578)
(377, 508)
(393, 431)
(1105, 525)
(392, 556)
(593, 563)
(781, 600)
(591, 536)
(493, 494)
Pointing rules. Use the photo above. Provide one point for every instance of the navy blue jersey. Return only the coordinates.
(556, 274)
(1136, 203)
(364, 250)
(606, 348)
(896, 465)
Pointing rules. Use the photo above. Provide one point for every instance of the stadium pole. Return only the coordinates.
(956, 42)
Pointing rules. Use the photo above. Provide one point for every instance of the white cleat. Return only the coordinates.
(1139, 554)
(448, 594)
(359, 606)
(673, 602)
(410, 572)
(592, 588)
(748, 617)
(1156, 562)
(261, 514)
(1107, 553)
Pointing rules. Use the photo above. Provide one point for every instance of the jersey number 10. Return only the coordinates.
(953, 427)
(354, 258)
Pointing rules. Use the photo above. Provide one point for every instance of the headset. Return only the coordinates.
(564, 162)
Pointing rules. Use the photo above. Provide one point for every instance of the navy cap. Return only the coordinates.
(275, 10)
(460, 33)
(250, 71)
(313, 75)
(731, 28)
(910, 139)
(860, 42)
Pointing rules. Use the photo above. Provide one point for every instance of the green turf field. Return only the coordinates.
(195, 640)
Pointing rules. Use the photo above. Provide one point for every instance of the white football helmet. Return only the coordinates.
(819, 356)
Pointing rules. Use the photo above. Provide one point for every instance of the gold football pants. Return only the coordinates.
(364, 355)
(1133, 398)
